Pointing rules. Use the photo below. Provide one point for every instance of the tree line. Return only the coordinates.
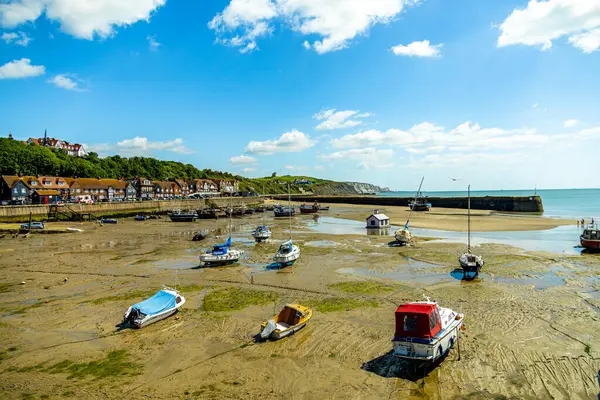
(17, 157)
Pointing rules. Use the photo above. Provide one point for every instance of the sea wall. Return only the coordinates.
(531, 204)
(38, 212)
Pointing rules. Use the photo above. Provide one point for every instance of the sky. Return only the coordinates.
(498, 95)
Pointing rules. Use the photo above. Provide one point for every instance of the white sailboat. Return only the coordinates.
(288, 252)
(262, 233)
(222, 254)
(404, 236)
(469, 261)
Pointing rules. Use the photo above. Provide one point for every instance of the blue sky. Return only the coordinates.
(503, 95)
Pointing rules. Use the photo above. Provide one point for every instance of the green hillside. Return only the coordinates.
(17, 157)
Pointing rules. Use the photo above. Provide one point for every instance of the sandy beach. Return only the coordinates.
(532, 319)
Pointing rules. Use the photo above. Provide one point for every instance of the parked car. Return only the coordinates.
(34, 225)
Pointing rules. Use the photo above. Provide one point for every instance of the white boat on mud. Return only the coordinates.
(425, 331)
(287, 254)
(221, 254)
(470, 262)
(160, 306)
(403, 236)
(261, 233)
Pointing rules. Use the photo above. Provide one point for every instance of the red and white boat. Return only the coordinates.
(590, 238)
(425, 331)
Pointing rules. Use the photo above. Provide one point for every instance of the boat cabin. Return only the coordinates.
(417, 321)
(290, 316)
(285, 248)
(378, 220)
(591, 234)
(219, 249)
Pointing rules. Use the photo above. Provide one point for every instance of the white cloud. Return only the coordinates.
(306, 45)
(418, 49)
(289, 142)
(242, 160)
(66, 81)
(319, 168)
(152, 43)
(428, 137)
(336, 22)
(18, 38)
(588, 42)
(570, 123)
(142, 145)
(81, 18)
(22, 68)
(296, 167)
(541, 22)
(248, 170)
(333, 119)
(369, 157)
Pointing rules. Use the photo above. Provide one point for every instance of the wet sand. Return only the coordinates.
(533, 319)
(451, 219)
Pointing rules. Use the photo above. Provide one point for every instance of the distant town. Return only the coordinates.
(17, 190)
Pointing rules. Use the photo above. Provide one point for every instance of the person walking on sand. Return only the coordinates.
(582, 222)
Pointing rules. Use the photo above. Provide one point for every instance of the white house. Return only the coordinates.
(378, 220)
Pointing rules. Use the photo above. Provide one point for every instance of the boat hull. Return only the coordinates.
(590, 244)
(309, 210)
(287, 332)
(227, 259)
(150, 319)
(428, 351)
(175, 218)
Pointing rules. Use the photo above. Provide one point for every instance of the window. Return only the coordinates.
(47, 183)
(16, 191)
(23, 191)
(33, 183)
(373, 222)
(410, 323)
(60, 183)
(432, 321)
(78, 190)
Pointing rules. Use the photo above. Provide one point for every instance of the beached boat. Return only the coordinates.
(261, 233)
(160, 306)
(309, 208)
(323, 208)
(140, 218)
(290, 319)
(420, 203)
(207, 213)
(108, 221)
(178, 216)
(221, 254)
(404, 236)
(469, 261)
(284, 211)
(590, 238)
(288, 252)
(425, 331)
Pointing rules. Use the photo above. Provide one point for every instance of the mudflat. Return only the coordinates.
(532, 319)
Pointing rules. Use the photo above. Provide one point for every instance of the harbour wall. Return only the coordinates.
(531, 204)
(41, 212)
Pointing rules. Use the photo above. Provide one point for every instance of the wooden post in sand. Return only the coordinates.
(458, 342)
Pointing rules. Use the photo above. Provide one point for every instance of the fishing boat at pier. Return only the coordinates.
(290, 319)
(158, 307)
(590, 238)
(425, 331)
(470, 262)
(179, 216)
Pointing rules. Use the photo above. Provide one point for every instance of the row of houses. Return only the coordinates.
(50, 189)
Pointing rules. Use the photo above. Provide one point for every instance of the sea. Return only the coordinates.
(558, 203)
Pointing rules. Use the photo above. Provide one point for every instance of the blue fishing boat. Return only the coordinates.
(160, 306)
(109, 221)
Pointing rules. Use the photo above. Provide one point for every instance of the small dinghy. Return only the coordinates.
(160, 306)
(425, 331)
(290, 319)
(109, 221)
(261, 233)
(140, 218)
(221, 254)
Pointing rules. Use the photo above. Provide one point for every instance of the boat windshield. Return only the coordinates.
(285, 249)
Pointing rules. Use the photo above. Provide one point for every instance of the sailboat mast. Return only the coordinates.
(263, 214)
(416, 196)
(469, 218)
(230, 214)
(290, 208)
